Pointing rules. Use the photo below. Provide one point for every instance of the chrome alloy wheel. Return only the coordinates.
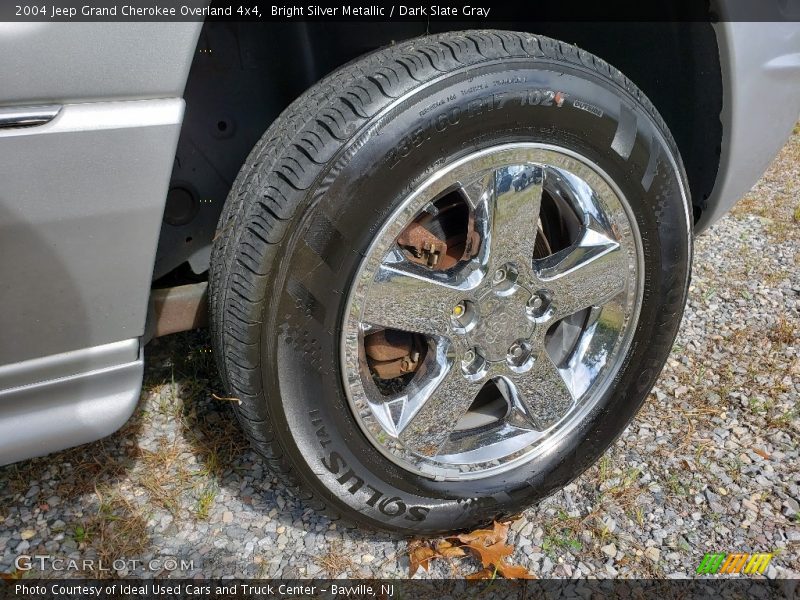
(519, 337)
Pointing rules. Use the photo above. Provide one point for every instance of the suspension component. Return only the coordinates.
(392, 353)
(442, 235)
(422, 244)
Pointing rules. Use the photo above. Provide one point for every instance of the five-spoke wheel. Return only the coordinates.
(540, 308)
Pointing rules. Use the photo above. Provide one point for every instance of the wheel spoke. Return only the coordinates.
(407, 298)
(543, 392)
(438, 409)
(514, 216)
(588, 273)
(506, 206)
(480, 192)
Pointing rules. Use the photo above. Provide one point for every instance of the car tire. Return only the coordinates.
(324, 183)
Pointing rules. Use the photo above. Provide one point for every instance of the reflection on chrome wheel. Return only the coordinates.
(491, 311)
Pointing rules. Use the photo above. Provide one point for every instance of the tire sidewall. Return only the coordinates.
(509, 100)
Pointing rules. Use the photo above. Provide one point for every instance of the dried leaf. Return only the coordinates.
(501, 531)
(484, 574)
(448, 550)
(487, 545)
(761, 453)
(493, 554)
(420, 556)
(477, 535)
(498, 533)
(515, 572)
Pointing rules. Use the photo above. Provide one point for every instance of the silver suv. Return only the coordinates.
(441, 270)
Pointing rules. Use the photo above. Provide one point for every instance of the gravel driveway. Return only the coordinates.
(710, 464)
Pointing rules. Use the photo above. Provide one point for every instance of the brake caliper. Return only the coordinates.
(392, 353)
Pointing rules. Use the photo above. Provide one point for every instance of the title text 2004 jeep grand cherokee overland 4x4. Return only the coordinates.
(445, 276)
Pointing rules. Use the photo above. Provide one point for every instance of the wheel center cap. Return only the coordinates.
(502, 320)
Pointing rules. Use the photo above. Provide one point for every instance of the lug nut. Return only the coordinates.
(538, 304)
(535, 303)
(504, 279)
(472, 364)
(519, 356)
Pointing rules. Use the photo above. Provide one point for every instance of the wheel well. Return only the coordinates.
(244, 74)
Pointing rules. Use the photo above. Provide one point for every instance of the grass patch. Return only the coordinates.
(604, 468)
(80, 534)
(335, 561)
(627, 491)
(783, 332)
(117, 530)
(204, 503)
(552, 543)
(675, 486)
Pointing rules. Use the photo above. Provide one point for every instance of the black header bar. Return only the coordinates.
(389, 589)
(476, 11)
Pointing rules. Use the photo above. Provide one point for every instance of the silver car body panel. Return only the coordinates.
(80, 211)
(84, 186)
(46, 63)
(761, 103)
(76, 397)
(82, 195)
